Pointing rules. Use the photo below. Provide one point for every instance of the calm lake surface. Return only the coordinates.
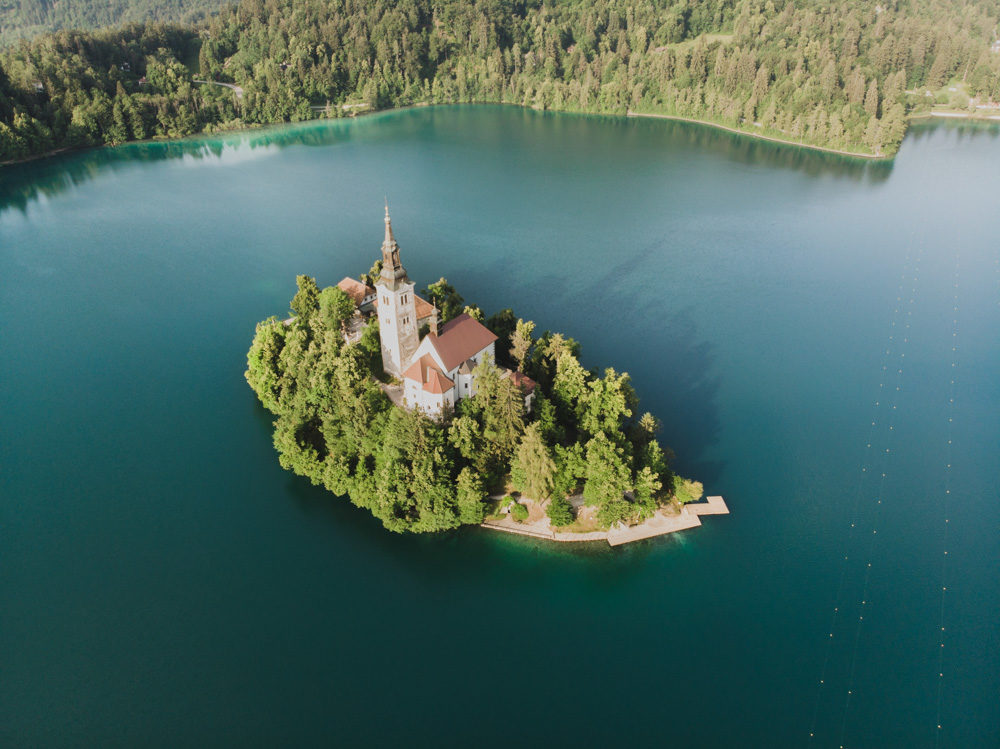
(819, 337)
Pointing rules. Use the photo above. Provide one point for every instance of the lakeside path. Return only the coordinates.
(761, 136)
(960, 115)
(238, 90)
(658, 525)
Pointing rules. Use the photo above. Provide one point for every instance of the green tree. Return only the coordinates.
(335, 308)
(560, 512)
(607, 474)
(264, 371)
(471, 494)
(569, 389)
(685, 490)
(503, 324)
(448, 301)
(521, 341)
(305, 303)
(532, 470)
(607, 403)
(474, 312)
(371, 277)
(646, 490)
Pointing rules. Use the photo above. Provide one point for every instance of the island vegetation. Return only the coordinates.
(336, 426)
(842, 74)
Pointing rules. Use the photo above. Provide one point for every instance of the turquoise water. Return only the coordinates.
(163, 581)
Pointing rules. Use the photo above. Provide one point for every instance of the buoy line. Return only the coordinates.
(945, 503)
(868, 462)
(864, 604)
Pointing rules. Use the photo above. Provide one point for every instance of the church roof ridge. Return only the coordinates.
(460, 339)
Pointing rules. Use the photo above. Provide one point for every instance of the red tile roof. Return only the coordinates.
(424, 308)
(429, 375)
(523, 381)
(355, 290)
(461, 339)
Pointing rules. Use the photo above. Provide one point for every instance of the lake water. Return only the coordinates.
(818, 335)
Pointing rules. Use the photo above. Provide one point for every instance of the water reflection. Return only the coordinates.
(956, 130)
(747, 150)
(23, 183)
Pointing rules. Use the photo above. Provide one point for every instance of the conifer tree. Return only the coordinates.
(305, 303)
(521, 342)
(532, 470)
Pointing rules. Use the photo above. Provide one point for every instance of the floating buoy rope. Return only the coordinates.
(945, 505)
(874, 460)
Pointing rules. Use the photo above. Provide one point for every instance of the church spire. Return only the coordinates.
(389, 239)
(392, 269)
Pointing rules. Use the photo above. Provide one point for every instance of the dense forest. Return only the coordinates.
(23, 19)
(841, 74)
(337, 427)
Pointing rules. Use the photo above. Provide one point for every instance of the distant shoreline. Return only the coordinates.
(246, 127)
(951, 114)
(761, 136)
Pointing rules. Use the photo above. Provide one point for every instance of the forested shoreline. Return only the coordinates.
(842, 75)
(337, 427)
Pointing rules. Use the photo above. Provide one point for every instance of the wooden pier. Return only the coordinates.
(658, 525)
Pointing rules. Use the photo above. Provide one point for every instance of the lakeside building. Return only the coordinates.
(437, 370)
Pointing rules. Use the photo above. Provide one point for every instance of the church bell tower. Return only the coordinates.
(397, 310)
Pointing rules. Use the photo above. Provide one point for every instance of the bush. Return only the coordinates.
(686, 490)
(560, 512)
(519, 512)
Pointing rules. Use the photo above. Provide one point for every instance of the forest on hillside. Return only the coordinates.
(24, 19)
(841, 74)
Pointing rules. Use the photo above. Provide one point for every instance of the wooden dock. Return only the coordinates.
(658, 525)
(711, 506)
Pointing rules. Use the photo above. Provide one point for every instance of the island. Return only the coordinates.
(431, 416)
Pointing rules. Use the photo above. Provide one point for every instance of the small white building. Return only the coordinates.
(362, 294)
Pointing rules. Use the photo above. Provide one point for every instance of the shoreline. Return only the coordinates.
(244, 128)
(955, 115)
(760, 136)
(658, 525)
(423, 104)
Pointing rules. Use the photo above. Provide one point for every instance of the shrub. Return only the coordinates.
(560, 512)
(686, 490)
(519, 512)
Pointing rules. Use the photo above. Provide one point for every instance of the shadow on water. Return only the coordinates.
(691, 136)
(471, 554)
(745, 149)
(674, 373)
(690, 408)
(672, 366)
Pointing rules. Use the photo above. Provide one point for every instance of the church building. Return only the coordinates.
(436, 371)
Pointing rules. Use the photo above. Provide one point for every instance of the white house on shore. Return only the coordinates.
(437, 371)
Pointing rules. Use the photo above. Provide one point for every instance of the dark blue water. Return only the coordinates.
(163, 582)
